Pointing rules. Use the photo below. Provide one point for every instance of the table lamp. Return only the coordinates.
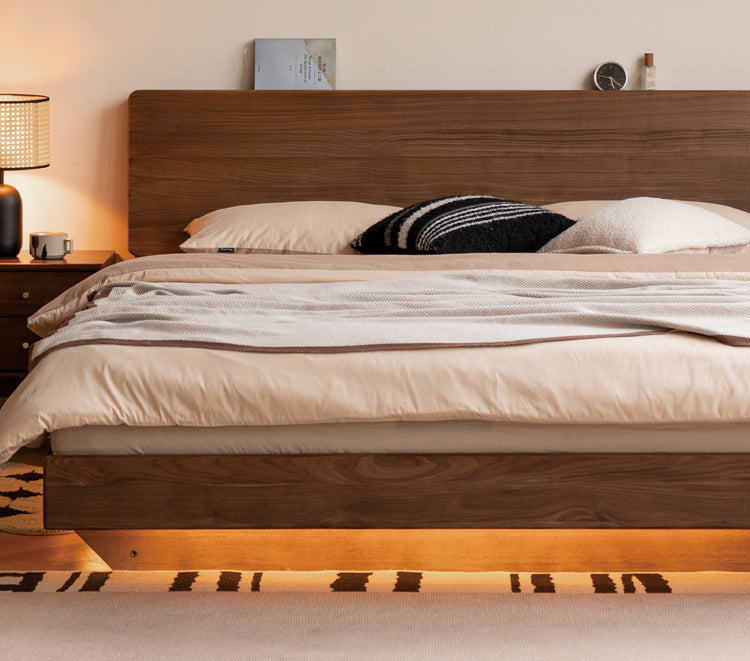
(24, 145)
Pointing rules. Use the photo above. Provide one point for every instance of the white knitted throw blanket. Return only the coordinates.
(434, 310)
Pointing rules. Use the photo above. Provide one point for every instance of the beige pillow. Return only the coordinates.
(284, 227)
(650, 225)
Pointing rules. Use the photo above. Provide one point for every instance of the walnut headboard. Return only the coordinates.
(194, 151)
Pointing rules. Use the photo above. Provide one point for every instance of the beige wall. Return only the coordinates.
(88, 55)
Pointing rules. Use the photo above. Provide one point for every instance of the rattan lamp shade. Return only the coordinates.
(24, 144)
(24, 131)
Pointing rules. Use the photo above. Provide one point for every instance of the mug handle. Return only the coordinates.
(68, 246)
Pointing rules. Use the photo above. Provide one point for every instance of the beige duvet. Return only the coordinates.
(667, 378)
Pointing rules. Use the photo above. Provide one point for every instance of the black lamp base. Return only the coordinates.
(10, 222)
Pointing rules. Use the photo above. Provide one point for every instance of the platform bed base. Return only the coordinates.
(413, 491)
(467, 512)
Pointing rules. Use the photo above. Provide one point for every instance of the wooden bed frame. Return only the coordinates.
(194, 151)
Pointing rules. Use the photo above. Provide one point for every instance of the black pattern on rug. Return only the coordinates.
(336, 582)
(21, 489)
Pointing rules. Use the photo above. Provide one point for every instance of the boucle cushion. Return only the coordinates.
(460, 224)
(650, 225)
(580, 208)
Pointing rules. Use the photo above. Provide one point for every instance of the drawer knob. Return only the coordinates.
(25, 345)
(25, 294)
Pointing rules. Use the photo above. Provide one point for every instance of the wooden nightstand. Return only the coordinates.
(25, 285)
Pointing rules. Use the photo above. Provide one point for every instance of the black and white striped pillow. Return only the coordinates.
(463, 223)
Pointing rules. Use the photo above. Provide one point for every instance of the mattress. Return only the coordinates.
(665, 391)
(470, 436)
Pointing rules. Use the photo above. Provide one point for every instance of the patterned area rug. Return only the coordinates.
(302, 616)
(616, 585)
(21, 499)
(21, 488)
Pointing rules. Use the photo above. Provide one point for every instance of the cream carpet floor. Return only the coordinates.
(453, 616)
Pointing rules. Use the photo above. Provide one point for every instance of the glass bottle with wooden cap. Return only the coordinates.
(648, 75)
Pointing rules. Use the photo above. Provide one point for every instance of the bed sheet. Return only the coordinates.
(445, 436)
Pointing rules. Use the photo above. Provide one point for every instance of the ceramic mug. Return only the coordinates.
(49, 245)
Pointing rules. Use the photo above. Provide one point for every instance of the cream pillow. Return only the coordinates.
(650, 225)
(284, 227)
(580, 208)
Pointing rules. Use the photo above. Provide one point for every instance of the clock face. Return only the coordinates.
(610, 76)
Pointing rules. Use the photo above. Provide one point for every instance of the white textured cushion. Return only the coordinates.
(284, 227)
(650, 225)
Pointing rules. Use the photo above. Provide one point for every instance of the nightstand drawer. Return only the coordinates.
(26, 285)
(26, 292)
(14, 356)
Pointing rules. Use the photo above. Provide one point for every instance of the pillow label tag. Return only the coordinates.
(226, 249)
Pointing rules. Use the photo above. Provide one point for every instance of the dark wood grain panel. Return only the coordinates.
(194, 151)
(80, 260)
(651, 490)
(23, 292)
(14, 349)
(26, 284)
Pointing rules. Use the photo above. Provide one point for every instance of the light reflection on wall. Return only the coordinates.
(88, 55)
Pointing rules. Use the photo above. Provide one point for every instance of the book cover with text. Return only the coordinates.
(295, 64)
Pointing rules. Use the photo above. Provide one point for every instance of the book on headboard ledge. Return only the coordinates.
(295, 64)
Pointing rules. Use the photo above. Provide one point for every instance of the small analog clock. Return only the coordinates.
(610, 76)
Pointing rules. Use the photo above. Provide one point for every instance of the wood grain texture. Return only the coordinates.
(545, 490)
(23, 292)
(195, 151)
(47, 553)
(16, 340)
(80, 260)
(424, 550)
